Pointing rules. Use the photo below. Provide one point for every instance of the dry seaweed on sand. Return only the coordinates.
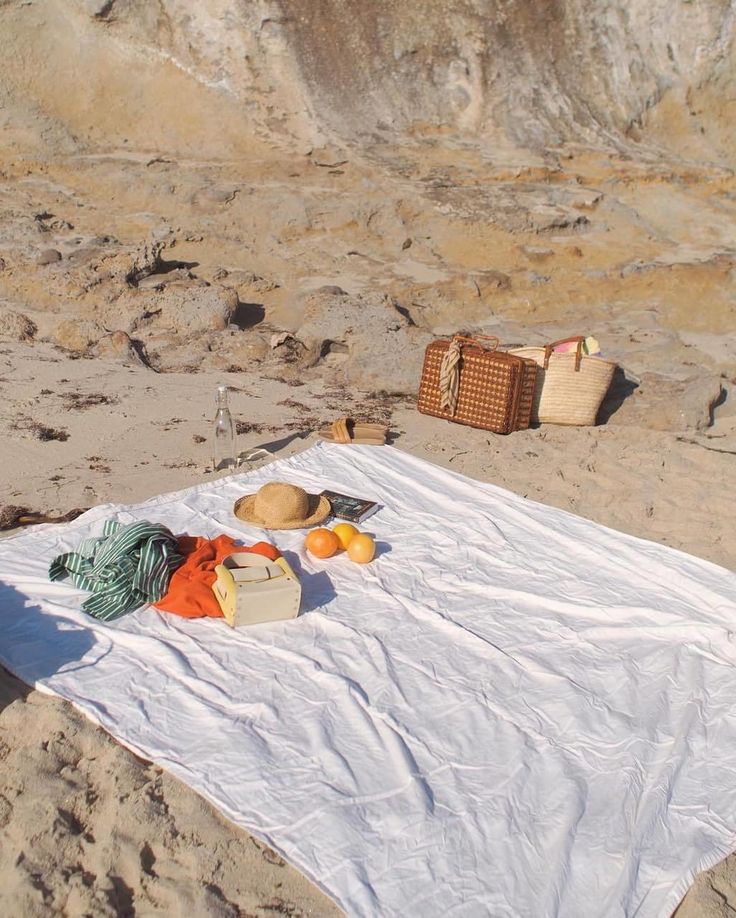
(244, 427)
(41, 431)
(80, 400)
(12, 516)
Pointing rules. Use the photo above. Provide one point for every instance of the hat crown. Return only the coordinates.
(279, 502)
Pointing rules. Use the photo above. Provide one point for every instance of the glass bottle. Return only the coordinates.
(224, 434)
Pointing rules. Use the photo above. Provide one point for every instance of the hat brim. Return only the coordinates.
(319, 509)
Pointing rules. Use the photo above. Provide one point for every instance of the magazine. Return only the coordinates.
(352, 509)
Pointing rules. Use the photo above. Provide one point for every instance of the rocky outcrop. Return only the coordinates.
(662, 403)
(78, 334)
(187, 310)
(542, 72)
(48, 257)
(220, 76)
(15, 326)
(381, 350)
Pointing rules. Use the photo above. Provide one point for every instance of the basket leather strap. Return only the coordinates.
(450, 369)
(450, 377)
(549, 348)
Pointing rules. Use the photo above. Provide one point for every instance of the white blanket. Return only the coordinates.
(510, 712)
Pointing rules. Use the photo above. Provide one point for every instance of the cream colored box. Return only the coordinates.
(251, 589)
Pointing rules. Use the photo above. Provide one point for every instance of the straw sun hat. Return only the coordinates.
(278, 505)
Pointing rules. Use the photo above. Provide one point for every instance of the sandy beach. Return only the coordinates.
(150, 252)
(115, 835)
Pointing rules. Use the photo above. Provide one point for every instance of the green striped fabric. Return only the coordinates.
(123, 569)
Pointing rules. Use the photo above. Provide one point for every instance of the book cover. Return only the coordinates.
(352, 509)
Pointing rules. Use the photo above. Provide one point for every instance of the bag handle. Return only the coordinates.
(475, 339)
(548, 348)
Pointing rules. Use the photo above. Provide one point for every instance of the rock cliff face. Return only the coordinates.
(445, 164)
(537, 72)
(221, 76)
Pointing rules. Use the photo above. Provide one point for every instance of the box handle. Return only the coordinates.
(476, 339)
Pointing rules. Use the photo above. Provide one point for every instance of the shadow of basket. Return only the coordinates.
(622, 386)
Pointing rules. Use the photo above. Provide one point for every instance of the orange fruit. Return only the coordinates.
(322, 543)
(362, 548)
(345, 533)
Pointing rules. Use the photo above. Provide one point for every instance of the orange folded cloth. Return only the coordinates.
(190, 588)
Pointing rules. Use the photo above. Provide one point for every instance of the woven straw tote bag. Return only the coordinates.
(570, 386)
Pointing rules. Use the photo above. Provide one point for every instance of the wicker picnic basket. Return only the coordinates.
(570, 386)
(466, 382)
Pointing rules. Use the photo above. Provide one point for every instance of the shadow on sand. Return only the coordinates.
(10, 689)
(620, 389)
(36, 645)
